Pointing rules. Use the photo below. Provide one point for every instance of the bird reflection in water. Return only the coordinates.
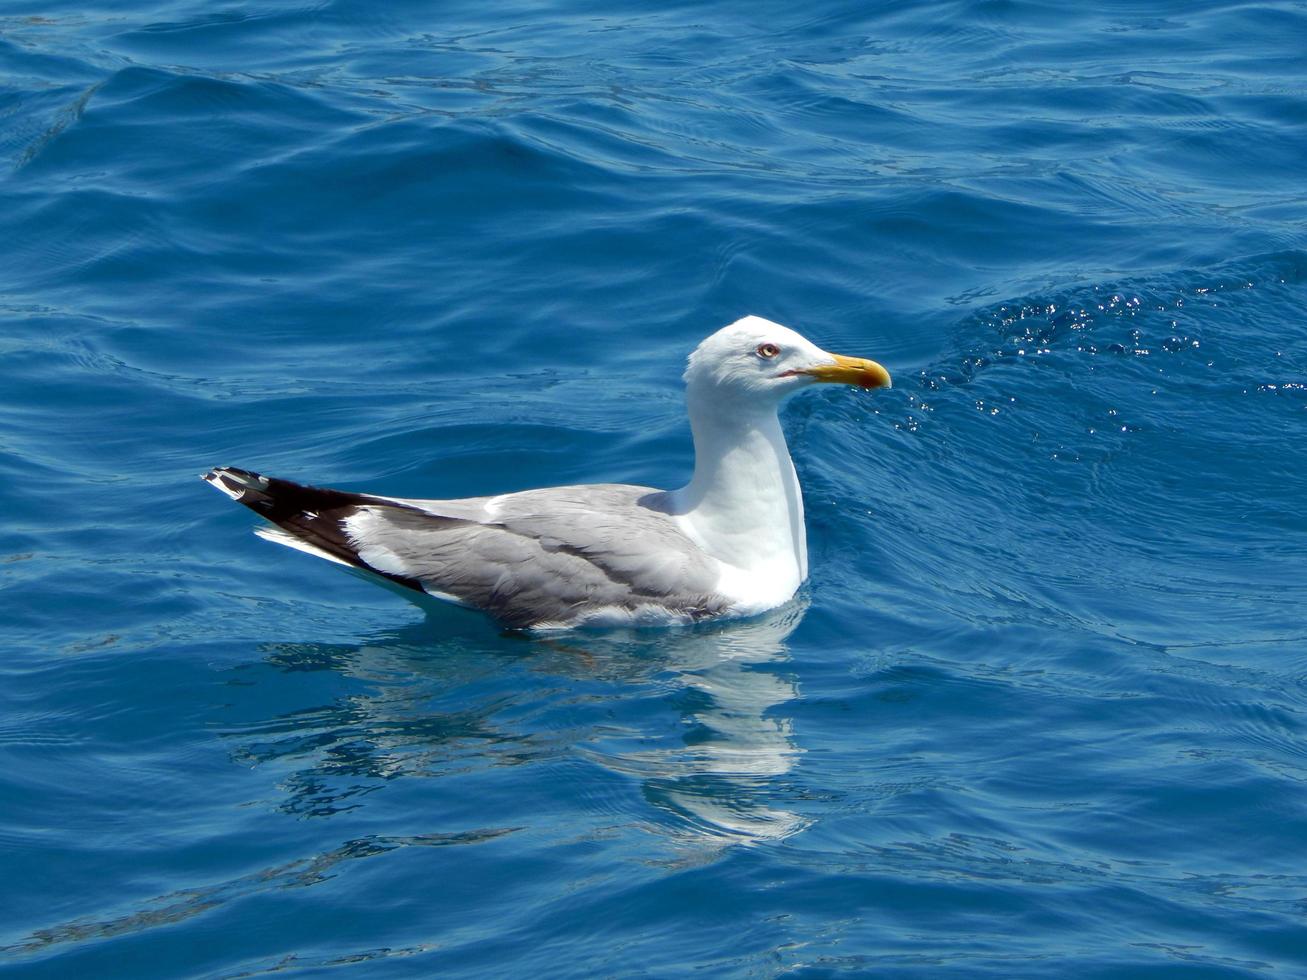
(718, 779)
(694, 716)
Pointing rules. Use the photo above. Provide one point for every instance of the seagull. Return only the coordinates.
(730, 543)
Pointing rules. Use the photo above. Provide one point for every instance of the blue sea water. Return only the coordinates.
(1041, 710)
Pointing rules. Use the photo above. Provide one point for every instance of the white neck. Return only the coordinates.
(743, 504)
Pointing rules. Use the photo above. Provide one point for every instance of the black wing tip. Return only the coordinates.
(315, 515)
(245, 486)
(235, 473)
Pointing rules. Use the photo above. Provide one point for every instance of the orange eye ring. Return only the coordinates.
(768, 350)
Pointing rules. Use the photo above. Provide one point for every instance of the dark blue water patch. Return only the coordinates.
(1118, 445)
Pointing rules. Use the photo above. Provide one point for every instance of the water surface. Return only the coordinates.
(1040, 710)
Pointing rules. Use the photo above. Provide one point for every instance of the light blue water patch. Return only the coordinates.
(1039, 711)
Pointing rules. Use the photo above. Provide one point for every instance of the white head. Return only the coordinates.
(756, 362)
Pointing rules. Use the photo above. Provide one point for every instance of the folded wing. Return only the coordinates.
(558, 556)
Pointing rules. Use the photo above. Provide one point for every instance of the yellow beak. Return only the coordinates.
(851, 371)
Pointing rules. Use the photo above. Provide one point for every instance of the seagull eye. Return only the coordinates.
(768, 350)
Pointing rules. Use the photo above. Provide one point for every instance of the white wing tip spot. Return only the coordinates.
(215, 480)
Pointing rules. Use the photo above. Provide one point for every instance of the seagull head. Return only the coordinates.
(756, 361)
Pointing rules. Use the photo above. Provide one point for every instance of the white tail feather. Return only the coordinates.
(277, 536)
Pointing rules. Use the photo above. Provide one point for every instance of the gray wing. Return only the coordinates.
(541, 556)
